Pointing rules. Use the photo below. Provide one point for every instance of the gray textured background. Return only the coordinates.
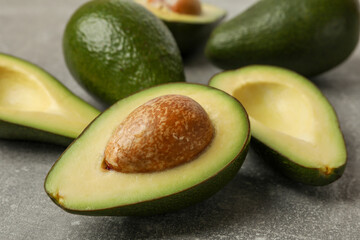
(258, 204)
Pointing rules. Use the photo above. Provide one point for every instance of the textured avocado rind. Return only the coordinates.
(116, 47)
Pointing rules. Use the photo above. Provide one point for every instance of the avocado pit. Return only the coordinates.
(190, 7)
(163, 133)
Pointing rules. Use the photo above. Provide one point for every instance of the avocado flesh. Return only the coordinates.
(189, 31)
(36, 106)
(78, 183)
(116, 47)
(293, 122)
(306, 36)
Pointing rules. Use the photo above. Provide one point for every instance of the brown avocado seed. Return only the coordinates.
(191, 7)
(162, 133)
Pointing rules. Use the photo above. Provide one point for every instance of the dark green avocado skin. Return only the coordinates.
(116, 47)
(176, 201)
(191, 37)
(307, 36)
(294, 171)
(11, 131)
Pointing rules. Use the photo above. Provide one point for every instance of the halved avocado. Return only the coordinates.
(190, 31)
(36, 106)
(79, 183)
(293, 125)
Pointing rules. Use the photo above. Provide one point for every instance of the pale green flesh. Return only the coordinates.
(287, 113)
(79, 182)
(209, 14)
(32, 98)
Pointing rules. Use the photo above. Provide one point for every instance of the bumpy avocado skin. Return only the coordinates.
(175, 201)
(190, 37)
(307, 36)
(116, 47)
(294, 171)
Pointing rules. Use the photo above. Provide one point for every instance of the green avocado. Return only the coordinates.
(306, 36)
(79, 183)
(36, 106)
(293, 125)
(189, 31)
(116, 47)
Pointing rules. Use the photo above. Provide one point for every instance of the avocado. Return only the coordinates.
(293, 125)
(306, 36)
(36, 106)
(116, 47)
(89, 179)
(190, 30)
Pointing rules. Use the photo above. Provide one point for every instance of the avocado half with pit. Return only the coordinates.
(189, 21)
(294, 127)
(36, 106)
(156, 151)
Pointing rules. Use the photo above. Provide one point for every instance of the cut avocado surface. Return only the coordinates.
(306, 36)
(293, 124)
(79, 183)
(116, 47)
(189, 31)
(36, 106)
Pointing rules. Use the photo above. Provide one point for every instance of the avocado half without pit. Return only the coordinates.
(189, 21)
(36, 106)
(293, 125)
(156, 151)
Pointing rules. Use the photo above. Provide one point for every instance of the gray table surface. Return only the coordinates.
(258, 204)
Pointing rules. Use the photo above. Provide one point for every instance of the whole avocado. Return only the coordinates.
(116, 47)
(307, 36)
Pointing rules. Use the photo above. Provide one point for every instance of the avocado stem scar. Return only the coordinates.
(326, 170)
